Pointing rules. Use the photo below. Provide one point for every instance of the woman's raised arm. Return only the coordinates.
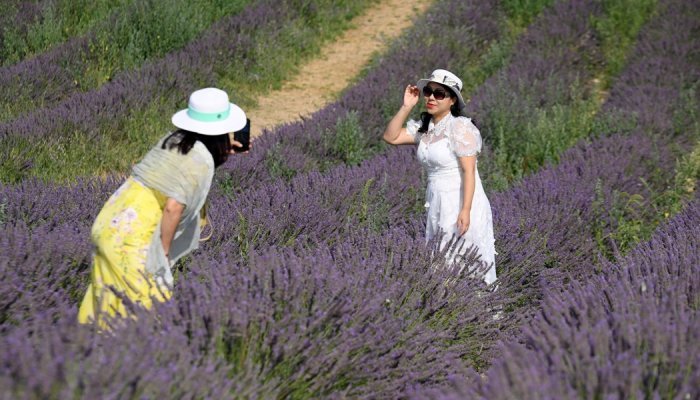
(395, 132)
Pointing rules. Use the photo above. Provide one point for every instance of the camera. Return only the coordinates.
(243, 137)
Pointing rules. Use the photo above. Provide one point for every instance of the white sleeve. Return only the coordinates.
(465, 138)
(412, 127)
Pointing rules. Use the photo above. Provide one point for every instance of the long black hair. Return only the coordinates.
(425, 116)
(184, 140)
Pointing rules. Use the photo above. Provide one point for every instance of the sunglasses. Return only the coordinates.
(439, 94)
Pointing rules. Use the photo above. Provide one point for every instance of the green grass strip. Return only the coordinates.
(58, 21)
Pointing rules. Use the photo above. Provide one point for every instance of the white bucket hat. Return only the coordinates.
(448, 79)
(210, 113)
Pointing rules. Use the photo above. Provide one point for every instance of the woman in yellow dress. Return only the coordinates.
(153, 219)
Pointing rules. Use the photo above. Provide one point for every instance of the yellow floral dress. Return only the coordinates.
(122, 235)
(129, 260)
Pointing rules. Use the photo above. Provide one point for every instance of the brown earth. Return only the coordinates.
(321, 80)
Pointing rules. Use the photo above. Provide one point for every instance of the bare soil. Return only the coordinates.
(321, 80)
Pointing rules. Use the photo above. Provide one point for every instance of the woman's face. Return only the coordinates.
(437, 108)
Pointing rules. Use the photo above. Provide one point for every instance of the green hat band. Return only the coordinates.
(209, 117)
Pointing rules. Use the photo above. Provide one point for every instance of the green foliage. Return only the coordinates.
(15, 167)
(524, 149)
(618, 28)
(623, 220)
(522, 145)
(161, 27)
(276, 164)
(226, 185)
(686, 113)
(523, 12)
(58, 21)
(3, 211)
(65, 157)
(368, 208)
(496, 56)
(347, 142)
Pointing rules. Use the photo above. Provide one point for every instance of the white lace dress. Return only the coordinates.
(438, 150)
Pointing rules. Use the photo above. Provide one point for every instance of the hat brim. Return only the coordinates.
(460, 100)
(235, 122)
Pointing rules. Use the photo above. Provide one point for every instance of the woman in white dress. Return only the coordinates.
(448, 144)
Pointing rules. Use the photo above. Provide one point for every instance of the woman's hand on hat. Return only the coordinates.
(410, 96)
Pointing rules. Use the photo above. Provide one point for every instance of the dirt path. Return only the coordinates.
(321, 80)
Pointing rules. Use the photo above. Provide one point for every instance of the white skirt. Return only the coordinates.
(443, 204)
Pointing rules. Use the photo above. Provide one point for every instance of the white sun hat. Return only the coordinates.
(448, 79)
(210, 113)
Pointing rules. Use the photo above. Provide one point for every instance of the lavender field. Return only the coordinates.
(317, 282)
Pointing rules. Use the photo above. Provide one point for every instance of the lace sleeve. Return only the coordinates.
(465, 139)
(412, 127)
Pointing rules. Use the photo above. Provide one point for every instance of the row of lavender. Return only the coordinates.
(357, 264)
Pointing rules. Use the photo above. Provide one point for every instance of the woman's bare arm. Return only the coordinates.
(468, 167)
(171, 218)
(395, 132)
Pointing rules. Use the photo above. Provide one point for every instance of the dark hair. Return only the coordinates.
(425, 117)
(184, 140)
